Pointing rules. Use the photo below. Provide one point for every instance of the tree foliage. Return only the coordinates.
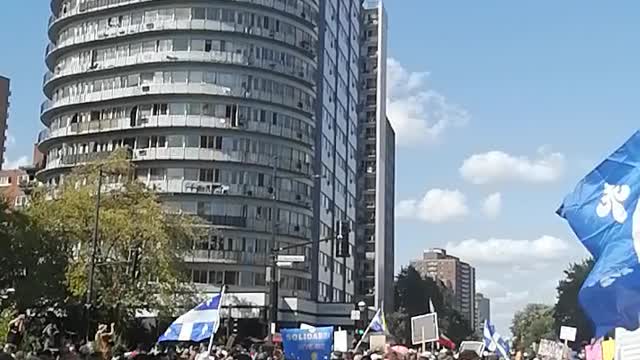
(567, 311)
(412, 295)
(31, 262)
(531, 324)
(140, 249)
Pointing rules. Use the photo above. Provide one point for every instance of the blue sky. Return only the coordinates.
(550, 87)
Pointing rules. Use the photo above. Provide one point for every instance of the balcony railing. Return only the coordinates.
(160, 121)
(208, 188)
(302, 43)
(221, 57)
(97, 5)
(181, 153)
(228, 257)
(84, 158)
(174, 89)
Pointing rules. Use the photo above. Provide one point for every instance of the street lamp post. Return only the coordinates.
(274, 250)
(274, 297)
(94, 251)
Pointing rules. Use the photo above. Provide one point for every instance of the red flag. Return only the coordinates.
(446, 342)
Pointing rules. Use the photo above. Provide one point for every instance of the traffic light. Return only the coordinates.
(235, 326)
(343, 248)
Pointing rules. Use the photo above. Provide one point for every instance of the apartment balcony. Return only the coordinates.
(301, 43)
(90, 6)
(217, 57)
(174, 89)
(172, 121)
(182, 153)
(226, 257)
(257, 225)
(182, 186)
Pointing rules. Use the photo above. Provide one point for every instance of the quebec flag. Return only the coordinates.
(604, 212)
(197, 325)
(378, 323)
(493, 342)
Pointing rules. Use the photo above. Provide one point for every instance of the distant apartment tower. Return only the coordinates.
(457, 275)
(214, 98)
(376, 171)
(5, 93)
(483, 312)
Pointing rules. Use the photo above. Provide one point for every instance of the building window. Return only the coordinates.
(5, 180)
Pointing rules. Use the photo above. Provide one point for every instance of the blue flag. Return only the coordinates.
(603, 211)
(304, 344)
(378, 323)
(493, 342)
(197, 325)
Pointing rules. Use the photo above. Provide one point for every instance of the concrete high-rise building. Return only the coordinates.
(376, 172)
(457, 275)
(483, 312)
(5, 93)
(222, 103)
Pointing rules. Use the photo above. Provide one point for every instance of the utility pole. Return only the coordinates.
(94, 252)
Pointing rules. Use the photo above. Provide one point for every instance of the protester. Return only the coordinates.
(104, 340)
(16, 331)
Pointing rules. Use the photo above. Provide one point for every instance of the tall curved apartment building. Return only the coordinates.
(215, 97)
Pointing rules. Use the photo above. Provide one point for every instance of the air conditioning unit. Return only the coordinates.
(145, 88)
(150, 26)
(142, 152)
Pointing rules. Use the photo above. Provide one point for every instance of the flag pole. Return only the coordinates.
(366, 331)
(217, 324)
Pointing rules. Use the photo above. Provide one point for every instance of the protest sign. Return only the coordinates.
(305, 344)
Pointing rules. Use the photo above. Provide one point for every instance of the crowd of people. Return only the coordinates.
(53, 344)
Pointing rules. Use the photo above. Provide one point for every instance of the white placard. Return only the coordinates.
(341, 341)
(355, 314)
(377, 342)
(568, 333)
(424, 328)
(475, 346)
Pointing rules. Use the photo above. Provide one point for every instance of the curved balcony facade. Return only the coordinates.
(211, 97)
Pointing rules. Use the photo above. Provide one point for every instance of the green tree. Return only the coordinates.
(31, 262)
(141, 247)
(531, 324)
(413, 293)
(567, 311)
(399, 324)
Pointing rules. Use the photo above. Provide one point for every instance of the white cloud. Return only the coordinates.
(509, 251)
(492, 205)
(497, 166)
(418, 114)
(437, 206)
(10, 140)
(14, 164)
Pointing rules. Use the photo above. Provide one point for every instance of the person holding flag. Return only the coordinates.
(377, 324)
(198, 324)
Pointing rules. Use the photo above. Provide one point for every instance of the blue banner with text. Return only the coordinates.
(307, 344)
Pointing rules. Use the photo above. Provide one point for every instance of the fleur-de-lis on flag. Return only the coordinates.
(611, 202)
